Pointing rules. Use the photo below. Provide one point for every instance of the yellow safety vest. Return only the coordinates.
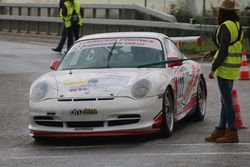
(70, 8)
(230, 68)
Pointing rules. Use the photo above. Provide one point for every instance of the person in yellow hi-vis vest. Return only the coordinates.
(64, 33)
(226, 66)
(71, 14)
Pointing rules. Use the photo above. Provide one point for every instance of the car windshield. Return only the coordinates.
(113, 53)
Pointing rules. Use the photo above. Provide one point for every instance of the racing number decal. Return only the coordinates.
(180, 87)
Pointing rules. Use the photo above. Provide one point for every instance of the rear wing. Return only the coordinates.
(179, 40)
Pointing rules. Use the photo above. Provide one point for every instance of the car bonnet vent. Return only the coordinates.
(86, 99)
(64, 100)
(42, 118)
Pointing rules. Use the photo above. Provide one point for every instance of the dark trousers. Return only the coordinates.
(72, 34)
(62, 40)
(227, 115)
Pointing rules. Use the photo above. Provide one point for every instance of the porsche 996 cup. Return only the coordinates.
(115, 84)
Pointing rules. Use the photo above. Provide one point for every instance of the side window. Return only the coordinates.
(172, 50)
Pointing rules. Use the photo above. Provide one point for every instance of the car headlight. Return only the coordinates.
(39, 91)
(140, 88)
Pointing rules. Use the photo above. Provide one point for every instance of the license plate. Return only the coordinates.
(86, 111)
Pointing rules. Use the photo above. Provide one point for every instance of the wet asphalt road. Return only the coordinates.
(21, 63)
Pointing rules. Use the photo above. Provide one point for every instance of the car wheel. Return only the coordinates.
(200, 109)
(168, 114)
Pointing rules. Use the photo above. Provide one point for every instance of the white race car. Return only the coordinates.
(115, 84)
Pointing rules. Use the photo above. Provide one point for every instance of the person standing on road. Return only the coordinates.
(64, 33)
(71, 12)
(226, 66)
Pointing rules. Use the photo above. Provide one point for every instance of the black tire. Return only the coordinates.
(168, 114)
(200, 110)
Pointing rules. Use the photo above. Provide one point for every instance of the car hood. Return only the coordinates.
(98, 83)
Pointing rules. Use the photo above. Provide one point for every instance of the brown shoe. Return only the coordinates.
(231, 136)
(217, 133)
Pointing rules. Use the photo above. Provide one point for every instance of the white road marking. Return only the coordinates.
(125, 154)
(108, 146)
(11, 154)
(202, 144)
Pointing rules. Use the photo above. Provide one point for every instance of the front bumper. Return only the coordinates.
(114, 117)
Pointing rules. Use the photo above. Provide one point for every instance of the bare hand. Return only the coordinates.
(211, 75)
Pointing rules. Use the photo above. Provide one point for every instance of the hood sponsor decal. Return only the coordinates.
(105, 83)
(92, 82)
(74, 83)
(112, 81)
(78, 88)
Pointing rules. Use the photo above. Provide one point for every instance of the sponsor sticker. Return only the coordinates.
(139, 42)
(74, 83)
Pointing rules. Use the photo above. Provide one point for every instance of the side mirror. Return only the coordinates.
(54, 65)
(176, 62)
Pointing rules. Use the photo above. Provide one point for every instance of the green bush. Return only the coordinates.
(180, 12)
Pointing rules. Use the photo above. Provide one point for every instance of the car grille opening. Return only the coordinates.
(122, 122)
(124, 119)
(87, 124)
(129, 116)
(49, 123)
(43, 118)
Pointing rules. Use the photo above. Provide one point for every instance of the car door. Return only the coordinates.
(182, 74)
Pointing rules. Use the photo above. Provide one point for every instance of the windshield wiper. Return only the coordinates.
(110, 54)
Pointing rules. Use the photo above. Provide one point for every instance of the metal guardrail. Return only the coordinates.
(36, 20)
(147, 12)
(43, 18)
(33, 19)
